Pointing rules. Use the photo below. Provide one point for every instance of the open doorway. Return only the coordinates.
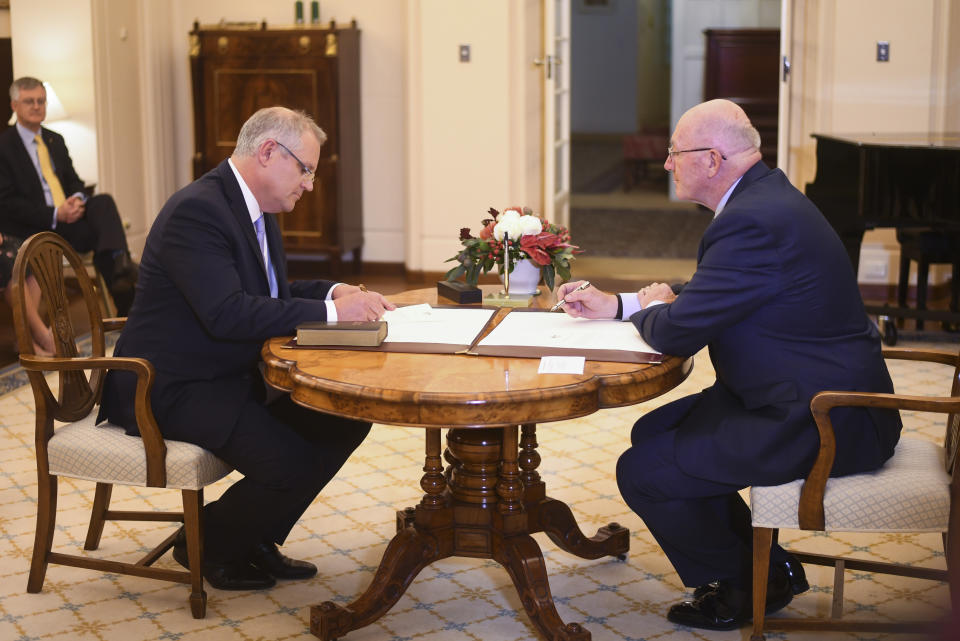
(636, 65)
(620, 130)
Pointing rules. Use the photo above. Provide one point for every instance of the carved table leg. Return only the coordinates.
(558, 522)
(555, 518)
(409, 552)
(521, 556)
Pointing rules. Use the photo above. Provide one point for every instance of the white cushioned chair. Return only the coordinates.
(104, 454)
(917, 490)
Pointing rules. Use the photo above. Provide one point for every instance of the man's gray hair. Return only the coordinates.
(24, 83)
(739, 135)
(279, 123)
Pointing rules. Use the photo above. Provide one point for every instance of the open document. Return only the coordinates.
(534, 333)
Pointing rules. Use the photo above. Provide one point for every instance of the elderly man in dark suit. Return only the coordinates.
(40, 191)
(775, 300)
(213, 287)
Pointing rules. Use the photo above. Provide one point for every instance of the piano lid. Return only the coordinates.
(943, 140)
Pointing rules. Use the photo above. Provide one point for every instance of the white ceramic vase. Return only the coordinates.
(524, 278)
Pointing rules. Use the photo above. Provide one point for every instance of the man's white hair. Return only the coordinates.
(284, 125)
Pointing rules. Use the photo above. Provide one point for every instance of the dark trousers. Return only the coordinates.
(99, 230)
(287, 454)
(702, 525)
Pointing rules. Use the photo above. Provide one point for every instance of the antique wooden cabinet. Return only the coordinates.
(744, 66)
(239, 69)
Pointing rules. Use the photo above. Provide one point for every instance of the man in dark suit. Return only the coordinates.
(40, 191)
(775, 300)
(213, 287)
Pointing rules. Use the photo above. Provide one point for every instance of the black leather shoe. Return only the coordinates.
(727, 607)
(225, 576)
(791, 567)
(268, 558)
(795, 574)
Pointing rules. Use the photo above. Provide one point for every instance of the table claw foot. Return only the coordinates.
(408, 552)
(559, 524)
(329, 620)
(521, 556)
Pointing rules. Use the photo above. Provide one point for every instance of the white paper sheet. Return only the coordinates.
(544, 329)
(426, 324)
(561, 365)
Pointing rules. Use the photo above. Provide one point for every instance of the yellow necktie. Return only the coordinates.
(56, 191)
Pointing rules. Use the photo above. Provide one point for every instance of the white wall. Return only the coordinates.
(60, 51)
(466, 141)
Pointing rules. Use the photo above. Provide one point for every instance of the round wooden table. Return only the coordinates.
(489, 498)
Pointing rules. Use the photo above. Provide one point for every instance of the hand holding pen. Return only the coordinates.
(583, 301)
(582, 286)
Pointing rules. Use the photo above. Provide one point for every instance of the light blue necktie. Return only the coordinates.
(262, 239)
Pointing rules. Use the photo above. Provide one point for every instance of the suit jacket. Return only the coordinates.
(776, 300)
(203, 311)
(23, 209)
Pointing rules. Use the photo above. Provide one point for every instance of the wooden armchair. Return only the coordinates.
(917, 490)
(104, 454)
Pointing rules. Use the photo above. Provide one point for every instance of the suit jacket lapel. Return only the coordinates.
(28, 171)
(238, 207)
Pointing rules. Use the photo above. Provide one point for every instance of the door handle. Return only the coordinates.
(546, 61)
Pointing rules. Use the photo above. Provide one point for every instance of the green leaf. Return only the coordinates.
(455, 273)
(548, 274)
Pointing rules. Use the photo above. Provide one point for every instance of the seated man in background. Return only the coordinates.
(40, 191)
(775, 300)
(213, 287)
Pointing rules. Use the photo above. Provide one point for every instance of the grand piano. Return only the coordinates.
(906, 181)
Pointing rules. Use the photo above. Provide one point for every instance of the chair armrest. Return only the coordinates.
(944, 358)
(113, 324)
(811, 515)
(153, 443)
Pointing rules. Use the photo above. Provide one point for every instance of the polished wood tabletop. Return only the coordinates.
(458, 390)
(489, 498)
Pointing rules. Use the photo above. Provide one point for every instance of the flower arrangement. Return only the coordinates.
(528, 236)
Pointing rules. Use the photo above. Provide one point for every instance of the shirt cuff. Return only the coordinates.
(331, 311)
(631, 304)
(330, 291)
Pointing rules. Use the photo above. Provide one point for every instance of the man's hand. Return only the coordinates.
(355, 303)
(656, 291)
(588, 303)
(70, 210)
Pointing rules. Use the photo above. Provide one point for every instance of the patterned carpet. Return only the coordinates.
(647, 233)
(346, 529)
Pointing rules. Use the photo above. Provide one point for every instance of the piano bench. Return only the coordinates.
(927, 247)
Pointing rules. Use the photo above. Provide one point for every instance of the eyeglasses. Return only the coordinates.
(674, 152)
(308, 174)
(33, 101)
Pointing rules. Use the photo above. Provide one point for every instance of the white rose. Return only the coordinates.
(509, 222)
(530, 225)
